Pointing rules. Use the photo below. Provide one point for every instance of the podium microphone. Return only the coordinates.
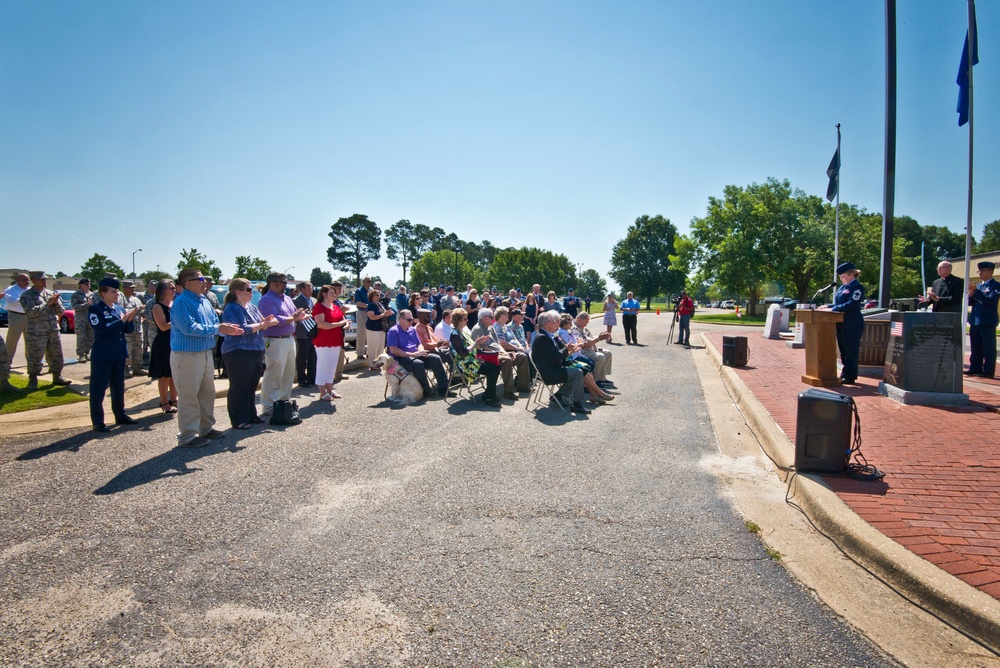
(822, 290)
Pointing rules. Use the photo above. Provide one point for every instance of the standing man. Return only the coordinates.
(685, 309)
(133, 335)
(947, 295)
(361, 301)
(571, 304)
(630, 316)
(80, 301)
(193, 328)
(279, 351)
(305, 351)
(17, 321)
(983, 323)
(41, 337)
(587, 303)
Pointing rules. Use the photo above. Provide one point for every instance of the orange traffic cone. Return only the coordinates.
(738, 314)
(657, 311)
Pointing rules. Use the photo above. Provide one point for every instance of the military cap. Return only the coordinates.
(37, 275)
(128, 284)
(109, 283)
(845, 267)
(987, 265)
(84, 280)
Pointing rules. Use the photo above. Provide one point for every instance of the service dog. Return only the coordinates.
(402, 384)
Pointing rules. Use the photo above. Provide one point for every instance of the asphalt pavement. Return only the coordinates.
(424, 535)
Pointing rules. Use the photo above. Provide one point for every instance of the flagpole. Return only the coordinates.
(971, 40)
(836, 214)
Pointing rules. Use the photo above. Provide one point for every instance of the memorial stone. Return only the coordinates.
(923, 361)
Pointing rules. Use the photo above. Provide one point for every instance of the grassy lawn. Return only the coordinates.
(47, 394)
(730, 318)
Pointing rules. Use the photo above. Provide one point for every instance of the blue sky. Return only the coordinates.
(248, 128)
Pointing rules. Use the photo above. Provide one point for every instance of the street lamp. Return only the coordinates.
(139, 250)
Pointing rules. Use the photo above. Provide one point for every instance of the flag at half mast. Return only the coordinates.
(833, 171)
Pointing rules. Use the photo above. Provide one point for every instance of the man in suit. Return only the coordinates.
(947, 294)
(548, 353)
(305, 351)
(983, 323)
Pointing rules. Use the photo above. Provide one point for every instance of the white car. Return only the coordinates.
(351, 331)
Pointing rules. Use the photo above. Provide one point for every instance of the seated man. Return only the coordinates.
(550, 357)
(403, 344)
(444, 328)
(504, 335)
(601, 358)
(485, 328)
(430, 341)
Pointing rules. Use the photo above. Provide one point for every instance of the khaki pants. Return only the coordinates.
(523, 368)
(194, 377)
(376, 346)
(18, 322)
(602, 362)
(359, 345)
(279, 372)
(341, 362)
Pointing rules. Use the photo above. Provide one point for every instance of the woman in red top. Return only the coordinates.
(329, 341)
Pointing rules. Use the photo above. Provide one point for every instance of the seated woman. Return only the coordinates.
(576, 358)
(464, 350)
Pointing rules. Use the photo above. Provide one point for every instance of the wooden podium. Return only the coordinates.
(821, 346)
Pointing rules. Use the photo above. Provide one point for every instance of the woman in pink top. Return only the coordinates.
(329, 341)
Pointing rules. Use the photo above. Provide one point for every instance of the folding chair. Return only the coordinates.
(463, 385)
(536, 392)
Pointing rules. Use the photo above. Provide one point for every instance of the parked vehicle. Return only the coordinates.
(729, 303)
(3, 312)
(67, 321)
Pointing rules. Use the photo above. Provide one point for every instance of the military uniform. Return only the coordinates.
(5, 385)
(983, 326)
(148, 327)
(108, 358)
(41, 336)
(848, 300)
(134, 336)
(80, 301)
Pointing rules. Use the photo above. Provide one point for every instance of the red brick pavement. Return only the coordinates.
(940, 497)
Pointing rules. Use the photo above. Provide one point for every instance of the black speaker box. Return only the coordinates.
(823, 432)
(735, 351)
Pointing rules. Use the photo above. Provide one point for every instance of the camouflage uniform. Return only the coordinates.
(148, 325)
(41, 338)
(134, 338)
(5, 385)
(81, 301)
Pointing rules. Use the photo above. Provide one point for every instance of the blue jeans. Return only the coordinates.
(684, 335)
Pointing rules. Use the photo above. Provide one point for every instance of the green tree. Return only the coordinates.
(807, 261)
(990, 240)
(318, 277)
(591, 285)
(525, 266)
(153, 275)
(641, 261)
(252, 268)
(404, 242)
(444, 267)
(356, 242)
(97, 266)
(192, 258)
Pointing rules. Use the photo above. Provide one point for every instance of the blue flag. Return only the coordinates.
(963, 71)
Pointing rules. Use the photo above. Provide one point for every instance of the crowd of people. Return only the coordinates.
(184, 335)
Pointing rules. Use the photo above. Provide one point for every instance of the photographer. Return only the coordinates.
(684, 309)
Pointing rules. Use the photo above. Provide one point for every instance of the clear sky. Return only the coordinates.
(248, 128)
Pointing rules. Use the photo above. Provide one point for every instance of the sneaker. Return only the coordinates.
(197, 442)
(214, 434)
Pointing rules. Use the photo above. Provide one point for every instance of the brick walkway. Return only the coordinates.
(940, 497)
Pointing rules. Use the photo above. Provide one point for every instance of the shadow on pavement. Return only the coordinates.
(174, 462)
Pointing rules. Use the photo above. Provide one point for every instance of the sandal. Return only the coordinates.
(335, 395)
(173, 405)
(326, 397)
(165, 407)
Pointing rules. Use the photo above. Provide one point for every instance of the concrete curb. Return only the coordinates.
(961, 605)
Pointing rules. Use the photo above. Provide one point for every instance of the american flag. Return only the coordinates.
(896, 329)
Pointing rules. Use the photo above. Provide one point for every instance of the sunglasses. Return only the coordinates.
(246, 290)
(200, 279)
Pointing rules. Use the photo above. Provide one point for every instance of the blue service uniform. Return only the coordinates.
(848, 300)
(107, 360)
(983, 328)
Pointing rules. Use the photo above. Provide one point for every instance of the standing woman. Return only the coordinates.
(610, 318)
(107, 358)
(377, 325)
(530, 314)
(243, 353)
(472, 306)
(159, 349)
(329, 340)
(849, 299)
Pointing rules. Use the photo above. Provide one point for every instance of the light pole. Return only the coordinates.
(139, 250)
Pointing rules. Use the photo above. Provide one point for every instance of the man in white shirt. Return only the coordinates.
(18, 321)
(444, 329)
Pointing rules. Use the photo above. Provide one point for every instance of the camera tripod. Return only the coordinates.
(673, 323)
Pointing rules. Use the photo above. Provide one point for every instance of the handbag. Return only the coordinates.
(285, 412)
(312, 329)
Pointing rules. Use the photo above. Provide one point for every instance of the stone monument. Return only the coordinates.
(923, 360)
